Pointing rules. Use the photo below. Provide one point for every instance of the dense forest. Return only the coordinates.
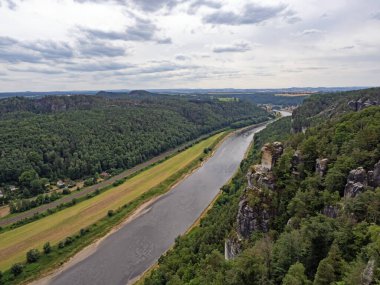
(313, 218)
(71, 137)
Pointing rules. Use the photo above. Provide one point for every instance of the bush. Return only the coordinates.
(68, 241)
(1, 277)
(118, 182)
(61, 244)
(110, 213)
(66, 191)
(47, 248)
(17, 269)
(32, 255)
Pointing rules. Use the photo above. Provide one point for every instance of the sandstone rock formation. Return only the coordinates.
(356, 181)
(270, 153)
(232, 247)
(321, 166)
(251, 219)
(260, 177)
(361, 104)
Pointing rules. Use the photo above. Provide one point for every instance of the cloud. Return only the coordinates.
(145, 5)
(99, 49)
(251, 14)
(197, 4)
(18, 56)
(309, 32)
(94, 67)
(36, 70)
(9, 3)
(376, 15)
(241, 46)
(182, 57)
(142, 30)
(49, 49)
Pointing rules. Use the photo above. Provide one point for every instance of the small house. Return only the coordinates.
(61, 184)
(105, 175)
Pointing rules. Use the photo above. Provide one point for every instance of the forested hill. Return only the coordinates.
(320, 107)
(72, 137)
(306, 212)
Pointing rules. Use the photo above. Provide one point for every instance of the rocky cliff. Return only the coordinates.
(255, 212)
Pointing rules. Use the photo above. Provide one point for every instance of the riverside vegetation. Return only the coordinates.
(313, 218)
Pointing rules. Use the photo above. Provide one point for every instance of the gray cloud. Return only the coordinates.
(251, 14)
(93, 67)
(49, 49)
(193, 8)
(99, 49)
(235, 47)
(18, 56)
(182, 57)
(36, 70)
(376, 15)
(145, 5)
(8, 3)
(142, 30)
(309, 32)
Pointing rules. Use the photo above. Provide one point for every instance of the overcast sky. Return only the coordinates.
(129, 44)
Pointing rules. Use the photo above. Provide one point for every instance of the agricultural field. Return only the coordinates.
(54, 228)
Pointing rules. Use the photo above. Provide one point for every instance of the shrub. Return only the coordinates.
(61, 244)
(32, 255)
(110, 213)
(47, 248)
(17, 269)
(66, 191)
(68, 241)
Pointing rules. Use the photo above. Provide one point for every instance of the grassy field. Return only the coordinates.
(15, 243)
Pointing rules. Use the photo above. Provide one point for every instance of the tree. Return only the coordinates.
(27, 177)
(331, 268)
(17, 269)
(32, 255)
(47, 248)
(296, 275)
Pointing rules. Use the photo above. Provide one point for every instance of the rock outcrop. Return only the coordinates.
(356, 181)
(270, 154)
(254, 214)
(374, 176)
(232, 247)
(295, 162)
(251, 218)
(321, 166)
(260, 177)
(361, 104)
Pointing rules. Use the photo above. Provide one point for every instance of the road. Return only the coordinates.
(136, 246)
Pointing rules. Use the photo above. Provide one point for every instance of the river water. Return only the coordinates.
(137, 245)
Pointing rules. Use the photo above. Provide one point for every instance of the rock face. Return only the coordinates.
(270, 153)
(356, 181)
(361, 104)
(374, 176)
(260, 177)
(253, 214)
(321, 166)
(232, 247)
(251, 219)
(295, 162)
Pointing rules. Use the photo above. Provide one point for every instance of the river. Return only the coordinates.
(136, 246)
